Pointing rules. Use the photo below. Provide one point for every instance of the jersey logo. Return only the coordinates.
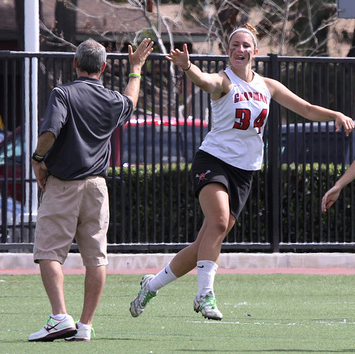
(246, 96)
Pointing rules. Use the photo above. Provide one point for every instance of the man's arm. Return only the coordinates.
(137, 60)
(45, 142)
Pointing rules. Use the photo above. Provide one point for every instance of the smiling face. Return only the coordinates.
(241, 49)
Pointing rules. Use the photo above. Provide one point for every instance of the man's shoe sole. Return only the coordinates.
(65, 333)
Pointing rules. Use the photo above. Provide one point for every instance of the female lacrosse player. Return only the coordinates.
(223, 168)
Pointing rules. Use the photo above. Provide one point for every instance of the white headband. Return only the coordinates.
(244, 30)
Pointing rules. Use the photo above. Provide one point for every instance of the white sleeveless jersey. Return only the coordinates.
(238, 122)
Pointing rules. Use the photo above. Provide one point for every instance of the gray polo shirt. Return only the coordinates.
(83, 115)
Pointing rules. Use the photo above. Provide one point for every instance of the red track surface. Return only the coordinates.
(320, 271)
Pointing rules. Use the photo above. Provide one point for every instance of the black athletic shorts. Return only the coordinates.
(209, 169)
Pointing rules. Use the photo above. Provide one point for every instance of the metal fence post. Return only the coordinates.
(273, 168)
(3, 213)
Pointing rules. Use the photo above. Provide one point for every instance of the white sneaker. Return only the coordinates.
(206, 304)
(54, 330)
(143, 297)
(83, 334)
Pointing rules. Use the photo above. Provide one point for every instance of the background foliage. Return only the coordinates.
(302, 189)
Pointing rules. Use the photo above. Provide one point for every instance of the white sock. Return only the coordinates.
(164, 277)
(206, 271)
(59, 316)
(79, 324)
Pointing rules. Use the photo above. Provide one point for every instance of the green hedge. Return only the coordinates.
(302, 220)
(157, 206)
(154, 205)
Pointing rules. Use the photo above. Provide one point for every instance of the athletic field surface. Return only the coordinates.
(296, 308)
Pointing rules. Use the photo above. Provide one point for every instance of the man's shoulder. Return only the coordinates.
(63, 87)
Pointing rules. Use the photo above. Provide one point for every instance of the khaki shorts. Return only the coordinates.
(73, 209)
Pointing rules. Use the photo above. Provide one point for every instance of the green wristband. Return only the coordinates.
(135, 75)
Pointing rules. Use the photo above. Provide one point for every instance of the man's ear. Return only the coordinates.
(75, 65)
(103, 67)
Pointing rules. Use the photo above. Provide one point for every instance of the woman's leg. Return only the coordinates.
(186, 259)
(214, 201)
(218, 222)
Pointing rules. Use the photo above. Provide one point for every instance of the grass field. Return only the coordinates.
(274, 313)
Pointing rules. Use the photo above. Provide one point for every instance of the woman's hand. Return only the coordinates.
(330, 197)
(180, 58)
(346, 122)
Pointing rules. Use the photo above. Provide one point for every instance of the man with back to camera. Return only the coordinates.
(70, 163)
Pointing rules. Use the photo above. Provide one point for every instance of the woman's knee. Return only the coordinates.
(219, 225)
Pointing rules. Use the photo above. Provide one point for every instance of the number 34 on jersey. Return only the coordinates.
(244, 119)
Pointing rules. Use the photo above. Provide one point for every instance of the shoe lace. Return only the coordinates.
(93, 331)
(49, 322)
(209, 301)
(147, 296)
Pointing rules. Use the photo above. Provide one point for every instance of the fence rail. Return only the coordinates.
(152, 208)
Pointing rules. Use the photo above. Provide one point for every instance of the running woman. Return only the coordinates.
(223, 168)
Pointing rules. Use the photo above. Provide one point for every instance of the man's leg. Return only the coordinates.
(59, 324)
(53, 281)
(95, 278)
